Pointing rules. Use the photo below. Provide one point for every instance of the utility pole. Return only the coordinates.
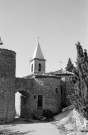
(61, 64)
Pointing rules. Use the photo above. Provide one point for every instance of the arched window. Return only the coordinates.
(32, 68)
(39, 67)
(56, 89)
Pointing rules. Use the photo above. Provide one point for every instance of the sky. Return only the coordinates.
(59, 24)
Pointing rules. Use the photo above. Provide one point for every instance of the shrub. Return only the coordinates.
(48, 113)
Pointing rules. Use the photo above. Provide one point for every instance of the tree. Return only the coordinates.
(70, 67)
(80, 96)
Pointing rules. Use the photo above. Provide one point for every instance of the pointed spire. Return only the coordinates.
(38, 52)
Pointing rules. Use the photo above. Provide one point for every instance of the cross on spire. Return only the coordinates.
(38, 52)
(38, 39)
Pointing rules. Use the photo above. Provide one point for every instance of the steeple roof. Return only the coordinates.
(38, 53)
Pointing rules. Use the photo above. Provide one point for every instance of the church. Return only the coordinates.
(34, 94)
(44, 89)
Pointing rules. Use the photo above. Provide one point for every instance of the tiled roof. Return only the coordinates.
(58, 73)
(62, 72)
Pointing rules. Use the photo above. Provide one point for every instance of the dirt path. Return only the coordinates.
(35, 128)
(30, 129)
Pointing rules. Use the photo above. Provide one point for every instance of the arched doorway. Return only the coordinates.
(21, 99)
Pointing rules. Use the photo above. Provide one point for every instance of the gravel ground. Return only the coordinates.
(61, 125)
(37, 128)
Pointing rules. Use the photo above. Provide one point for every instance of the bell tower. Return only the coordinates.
(37, 63)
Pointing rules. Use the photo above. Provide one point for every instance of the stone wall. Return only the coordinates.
(7, 63)
(7, 99)
(49, 88)
(23, 86)
(7, 85)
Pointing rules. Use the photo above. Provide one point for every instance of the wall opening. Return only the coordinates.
(40, 101)
(39, 67)
(17, 104)
(21, 99)
(56, 90)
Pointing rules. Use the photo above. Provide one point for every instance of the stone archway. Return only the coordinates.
(21, 99)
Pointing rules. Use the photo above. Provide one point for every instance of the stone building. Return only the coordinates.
(31, 95)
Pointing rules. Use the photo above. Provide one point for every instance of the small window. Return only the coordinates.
(32, 68)
(39, 67)
(56, 89)
(34, 97)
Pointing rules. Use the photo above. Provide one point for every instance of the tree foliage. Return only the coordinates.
(70, 67)
(80, 96)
